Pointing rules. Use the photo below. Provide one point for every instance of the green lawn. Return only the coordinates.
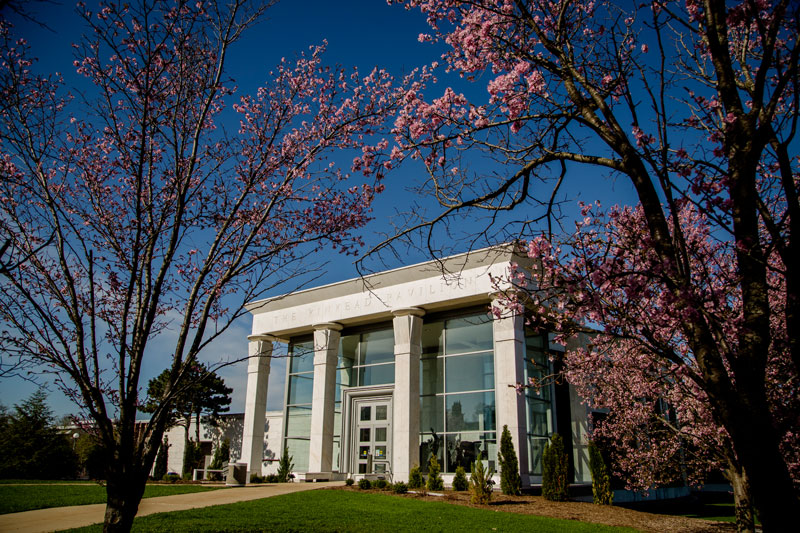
(16, 498)
(333, 510)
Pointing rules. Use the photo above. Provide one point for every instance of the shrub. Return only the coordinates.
(255, 478)
(381, 484)
(285, 466)
(400, 488)
(192, 458)
(510, 482)
(601, 481)
(415, 479)
(435, 481)
(555, 483)
(160, 468)
(480, 483)
(460, 480)
(272, 478)
(364, 484)
(221, 457)
(349, 482)
(171, 477)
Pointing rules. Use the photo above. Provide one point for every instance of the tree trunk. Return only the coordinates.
(743, 505)
(188, 421)
(125, 491)
(764, 469)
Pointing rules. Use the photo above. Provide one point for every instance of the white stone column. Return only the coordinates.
(260, 355)
(509, 356)
(326, 348)
(405, 416)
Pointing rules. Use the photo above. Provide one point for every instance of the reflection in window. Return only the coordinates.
(365, 359)
(457, 398)
(298, 402)
(538, 402)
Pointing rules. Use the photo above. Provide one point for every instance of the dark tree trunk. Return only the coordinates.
(757, 448)
(124, 488)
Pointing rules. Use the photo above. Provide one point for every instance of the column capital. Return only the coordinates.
(408, 311)
(334, 326)
(261, 337)
(494, 296)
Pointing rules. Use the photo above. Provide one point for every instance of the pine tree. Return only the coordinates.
(285, 466)
(415, 480)
(460, 481)
(601, 480)
(160, 468)
(435, 481)
(510, 482)
(555, 481)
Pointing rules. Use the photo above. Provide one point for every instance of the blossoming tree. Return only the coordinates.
(695, 104)
(136, 212)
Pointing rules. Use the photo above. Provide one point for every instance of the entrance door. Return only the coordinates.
(372, 450)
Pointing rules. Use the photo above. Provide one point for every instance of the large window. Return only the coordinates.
(538, 401)
(457, 402)
(298, 402)
(364, 359)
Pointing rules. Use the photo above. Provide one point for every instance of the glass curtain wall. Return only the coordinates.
(538, 401)
(298, 402)
(364, 359)
(457, 400)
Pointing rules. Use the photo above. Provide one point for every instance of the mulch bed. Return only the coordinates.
(582, 511)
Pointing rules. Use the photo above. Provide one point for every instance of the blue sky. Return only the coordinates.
(362, 33)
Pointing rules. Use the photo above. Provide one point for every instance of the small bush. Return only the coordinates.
(349, 482)
(272, 478)
(285, 466)
(171, 478)
(601, 480)
(255, 478)
(400, 488)
(510, 482)
(460, 480)
(435, 481)
(480, 483)
(415, 479)
(555, 469)
(380, 484)
(364, 484)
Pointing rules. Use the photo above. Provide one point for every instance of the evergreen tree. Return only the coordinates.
(285, 466)
(601, 480)
(222, 454)
(510, 482)
(160, 468)
(204, 393)
(415, 480)
(460, 481)
(435, 481)
(31, 445)
(555, 481)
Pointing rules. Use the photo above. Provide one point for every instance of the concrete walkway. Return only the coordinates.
(58, 518)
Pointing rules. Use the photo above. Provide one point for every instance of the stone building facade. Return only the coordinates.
(387, 370)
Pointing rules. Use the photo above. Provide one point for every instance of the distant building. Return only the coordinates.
(387, 370)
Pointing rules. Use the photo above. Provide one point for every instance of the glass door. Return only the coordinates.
(373, 437)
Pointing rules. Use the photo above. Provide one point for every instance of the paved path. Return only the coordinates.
(57, 518)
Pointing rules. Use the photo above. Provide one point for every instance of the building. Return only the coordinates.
(386, 370)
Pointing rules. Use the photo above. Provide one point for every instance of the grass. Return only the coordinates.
(45, 482)
(717, 506)
(17, 498)
(329, 511)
